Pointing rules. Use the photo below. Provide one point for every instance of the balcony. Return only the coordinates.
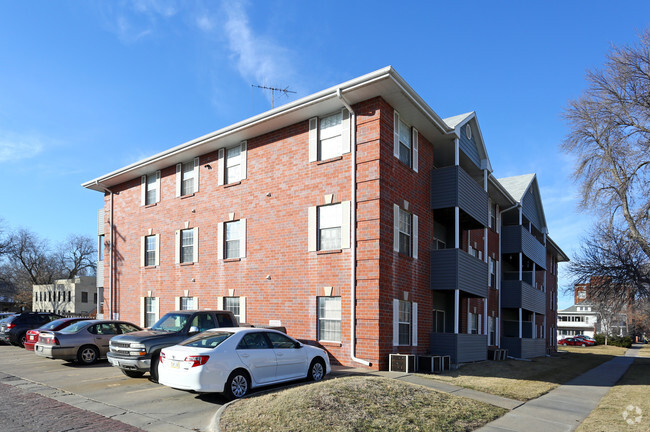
(456, 269)
(515, 239)
(461, 347)
(524, 347)
(453, 187)
(518, 294)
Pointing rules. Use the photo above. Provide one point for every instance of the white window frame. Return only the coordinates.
(178, 246)
(241, 318)
(221, 239)
(333, 208)
(472, 323)
(334, 319)
(183, 173)
(150, 183)
(239, 239)
(315, 136)
(398, 231)
(330, 137)
(230, 163)
(313, 231)
(400, 130)
(222, 164)
(154, 306)
(190, 303)
(398, 322)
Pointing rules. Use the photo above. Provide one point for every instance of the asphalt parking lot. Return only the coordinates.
(104, 390)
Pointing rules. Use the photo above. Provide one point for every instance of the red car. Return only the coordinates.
(32, 335)
(575, 341)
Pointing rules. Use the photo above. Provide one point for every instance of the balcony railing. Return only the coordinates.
(453, 187)
(456, 269)
(519, 294)
(461, 347)
(515, 239)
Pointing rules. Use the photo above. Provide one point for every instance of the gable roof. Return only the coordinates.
(518, 187)
(457, 122)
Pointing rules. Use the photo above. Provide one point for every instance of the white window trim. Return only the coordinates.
(242, 306)
(143, 189)
(195, 246)
(221, 239)
(314, 139)
(221, 163)
(179, 178)
(143, 250)
(143, 312)
(413, 323)
(312, 226)
(415, 238)
(415, 147)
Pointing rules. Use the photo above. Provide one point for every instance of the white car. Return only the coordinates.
(234, 360)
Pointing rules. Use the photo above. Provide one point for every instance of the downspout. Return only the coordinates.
(110, 256)
(353, 232)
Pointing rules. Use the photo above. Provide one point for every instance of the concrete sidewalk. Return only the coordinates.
(499, 401)
(564, 408)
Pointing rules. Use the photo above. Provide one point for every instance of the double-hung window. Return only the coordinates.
(187, 303)
(329, 136)
(493, 275)
(187, 177)
(150, 311)
(233, 238)
(84, 297)
(405, 232)
(233, 304)
(150, 188)
(329, 319)
(404, 323)
(233, 164)
(150, 251)
(405, 142)
(329, 227)
(472, 323)
(492, 333)
(187, 246)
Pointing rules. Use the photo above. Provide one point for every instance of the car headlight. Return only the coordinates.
(137, 345)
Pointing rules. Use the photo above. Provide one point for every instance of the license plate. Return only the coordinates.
(174, 364)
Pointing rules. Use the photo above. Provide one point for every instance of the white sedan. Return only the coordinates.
(234, 360)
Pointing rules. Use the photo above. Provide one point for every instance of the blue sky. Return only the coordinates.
(88, 87)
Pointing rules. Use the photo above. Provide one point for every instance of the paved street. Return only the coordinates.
(43, 387)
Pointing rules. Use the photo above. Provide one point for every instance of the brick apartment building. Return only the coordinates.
(355, 217)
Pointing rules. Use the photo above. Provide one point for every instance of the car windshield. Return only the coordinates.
(171, 322)
(52, 324)
(74, 328)
(208, 339)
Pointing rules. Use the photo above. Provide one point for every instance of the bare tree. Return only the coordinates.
(76, 256)
(610, 138)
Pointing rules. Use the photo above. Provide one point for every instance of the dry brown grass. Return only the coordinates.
(644, 351)
(629, 393)
(357, 404)
(526, 380)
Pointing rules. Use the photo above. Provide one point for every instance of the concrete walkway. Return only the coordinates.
(510, 404)
(564, 408)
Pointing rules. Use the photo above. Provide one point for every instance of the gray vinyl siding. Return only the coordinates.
(100, 222)
(455, 269)
(525, 347)
(100, 274)
(515, 239)
(518, 294)
(453, 187)
(461, 347)
(468, 146)
(531, 210)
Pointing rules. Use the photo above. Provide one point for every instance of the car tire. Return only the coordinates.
(237, 385)
(583, 345)
(87, 354)
(132, 373)
(153, 370)
(21, 340)
(316, 370)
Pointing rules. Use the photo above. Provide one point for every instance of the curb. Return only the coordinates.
(214, 424)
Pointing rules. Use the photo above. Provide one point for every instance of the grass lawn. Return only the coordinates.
(645, 351)
(357, 404)
(525, 380)
(629, 393)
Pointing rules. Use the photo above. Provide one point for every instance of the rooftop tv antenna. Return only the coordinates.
(285, 91)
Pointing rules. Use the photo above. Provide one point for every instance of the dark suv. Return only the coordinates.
(15, 328)
(138, 352)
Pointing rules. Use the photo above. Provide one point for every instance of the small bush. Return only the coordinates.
(619, 341)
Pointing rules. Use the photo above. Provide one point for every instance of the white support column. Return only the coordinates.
(456, 227)
(485, 180)
(485, 246)
(520, 216)
(533, 279)
(485, 317)
(456, 152)
(520, 324)
(456, 310)
(521, 266)
(534, 326)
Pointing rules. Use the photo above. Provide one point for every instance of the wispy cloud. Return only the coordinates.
(131, 21)
(14, 147)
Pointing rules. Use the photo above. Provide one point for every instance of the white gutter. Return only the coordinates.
(110, 256)
(353, 233)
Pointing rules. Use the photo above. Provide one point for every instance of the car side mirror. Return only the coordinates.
(297, 345)
(194, 329)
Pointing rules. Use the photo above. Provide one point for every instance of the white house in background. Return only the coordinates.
(76, 296)
(580, 319)
(584, 319)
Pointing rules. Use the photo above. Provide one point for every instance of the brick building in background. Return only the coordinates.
(355, 217)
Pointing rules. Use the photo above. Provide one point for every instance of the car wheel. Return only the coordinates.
(153, 371)
(237, 385)
(583, 345)
(22, 339)
(132, 373)
(316, 370)
(87, 354)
